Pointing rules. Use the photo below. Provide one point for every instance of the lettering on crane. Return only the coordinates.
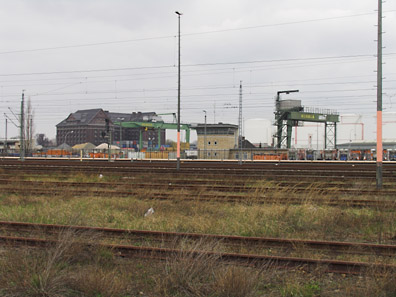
(308, 116)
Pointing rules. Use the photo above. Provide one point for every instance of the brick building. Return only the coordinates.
(88, 126)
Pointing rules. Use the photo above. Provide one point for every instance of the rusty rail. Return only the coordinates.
(334, 266)
(203, 197)
(223, 187)
(333, 169)
(353, 247)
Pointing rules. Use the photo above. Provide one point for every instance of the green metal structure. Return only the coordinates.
(290, 112)
(155, 126)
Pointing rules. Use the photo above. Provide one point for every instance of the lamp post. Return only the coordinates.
(150, 144)
(205, 136)
(178, 100)
(5, 142)
(22, 129)
(70, 132)
(121, 120)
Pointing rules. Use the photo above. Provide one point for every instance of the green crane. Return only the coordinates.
(154, 125)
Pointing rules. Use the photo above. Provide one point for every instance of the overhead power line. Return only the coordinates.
(196, 65)
(84, 45)
(284, 23)
(187, 34)
(283, 60)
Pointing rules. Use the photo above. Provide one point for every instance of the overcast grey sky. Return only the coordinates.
(121, 55)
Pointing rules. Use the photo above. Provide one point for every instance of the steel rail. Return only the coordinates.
(237, 172)
(219, 167)
(358, 167)
(271, 175)
(169, 185)
(354, 247)
(171, 196)
(207, 163)
(176, 179)
(333, 266)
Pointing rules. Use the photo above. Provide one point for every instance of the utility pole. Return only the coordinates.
(205, 136)
(6, 143)
(22, 132)
(110, 143)
(214, 113)
(6, 127)
(178, 100)
(108, 135)
(240, 124)
(379, 98)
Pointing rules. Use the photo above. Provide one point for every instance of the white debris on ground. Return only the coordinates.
(149, 212)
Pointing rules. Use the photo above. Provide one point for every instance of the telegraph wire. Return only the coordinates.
(284, 60)
(204, 72)
(187, 34)
(171, 90)
(160, 99)
(200, 87)
(89, 70)
(85, 45)
(195, 65)
(284, 23)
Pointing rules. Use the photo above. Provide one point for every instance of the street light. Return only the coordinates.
(150, 144)
(121, 120)
(205, 136)
(70, 132)
(178, 100)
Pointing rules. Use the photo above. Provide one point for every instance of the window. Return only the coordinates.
(215, 142)
(209, 142)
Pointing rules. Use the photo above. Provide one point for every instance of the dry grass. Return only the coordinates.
(37, 272)
(236, 282)
(187, 275)
(98, 281)
(293, 221)
(70, 270)
(66, 269)
(378, 285)
(200, 274)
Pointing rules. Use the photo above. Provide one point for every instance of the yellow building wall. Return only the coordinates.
(217, 146)
(217, 142)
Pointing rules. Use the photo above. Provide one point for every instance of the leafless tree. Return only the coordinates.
(29, 127)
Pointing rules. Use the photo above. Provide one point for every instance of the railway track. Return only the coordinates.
(253, 169)
(335, 266)
(333, 246)
(360, 165)
(177, 179)
(211, 181)
(201, 197)
(334, 183)
(270, 175)
(199, 187)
